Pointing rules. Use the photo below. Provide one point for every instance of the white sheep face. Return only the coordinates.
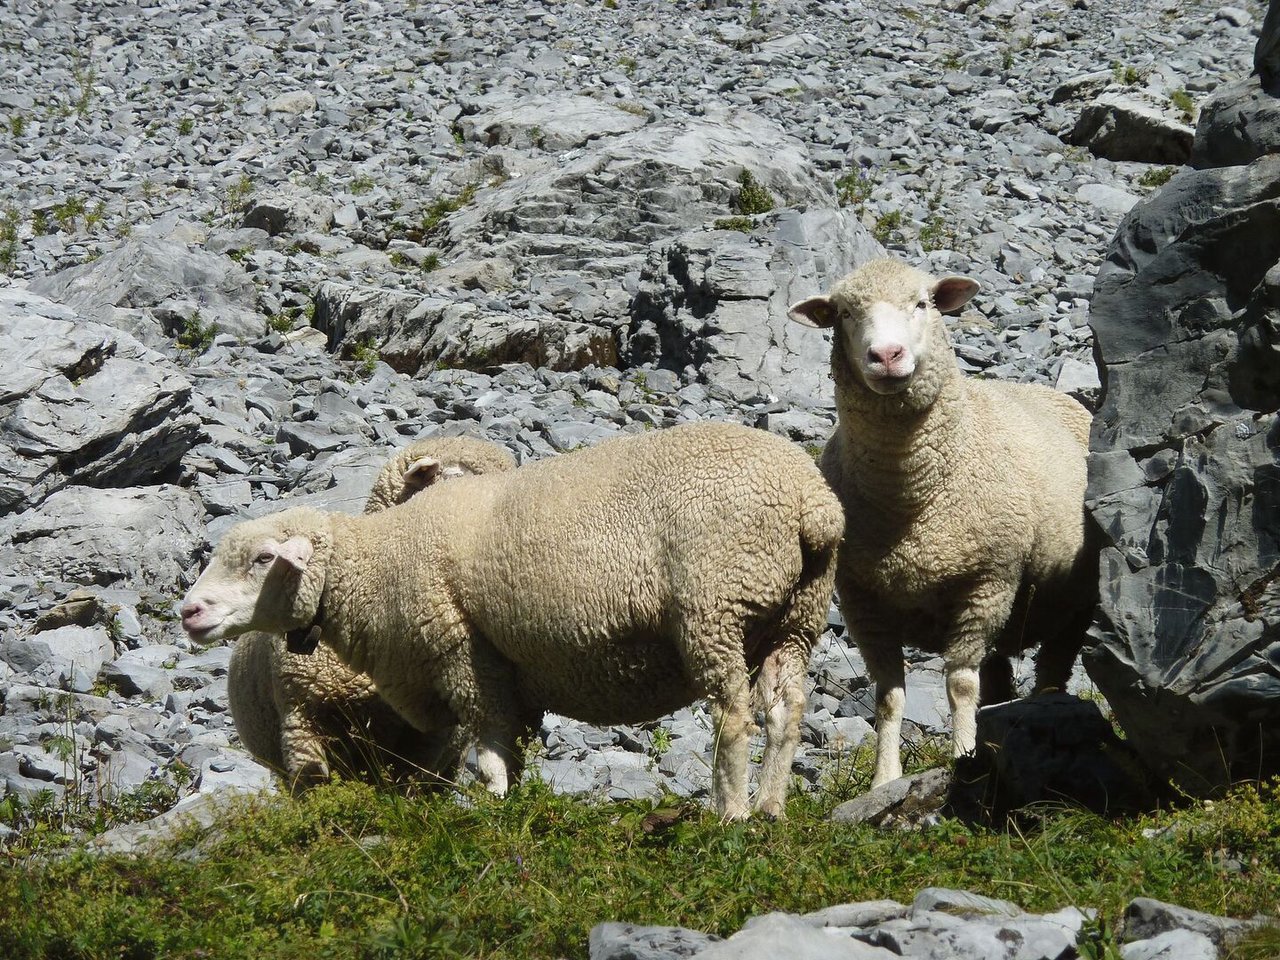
(248, 585)
(885, 313)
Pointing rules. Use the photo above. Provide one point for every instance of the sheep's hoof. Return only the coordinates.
(772, 810)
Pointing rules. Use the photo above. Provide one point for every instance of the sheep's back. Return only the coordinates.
(586, 566)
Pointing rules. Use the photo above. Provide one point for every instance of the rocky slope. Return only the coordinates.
(250, 248)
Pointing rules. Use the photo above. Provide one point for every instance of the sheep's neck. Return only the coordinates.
(345, 626)
(898, 457)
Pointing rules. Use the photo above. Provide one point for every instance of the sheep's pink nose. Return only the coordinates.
(191, 610)
(886, 354)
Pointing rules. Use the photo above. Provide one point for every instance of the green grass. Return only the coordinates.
(350, 871)
(741, 224)
(1157, 176)
(753, 197)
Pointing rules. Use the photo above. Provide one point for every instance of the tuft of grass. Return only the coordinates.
(888, 226)
(1129, 76)
(238, 193)
(854, 189)
(10, 220)
(1156, 176)
(362, 184)
(282, 322)
(752, 197)
(17, 124)
(352, 871)
(186, 126)
(628, 64)
(741, 224)
(196, 335)
(1183, 103)
(441, 208)
(366, 357)
(430, 262)
(84, 77)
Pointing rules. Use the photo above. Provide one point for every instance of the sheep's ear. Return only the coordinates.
(421, 474)
(296, 552)
(814, 312)
(951, 293)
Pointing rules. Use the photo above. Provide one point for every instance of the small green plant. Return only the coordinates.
(660, 741)
(430, 262)
(84, 77)
(39, 223)
(610, 4)
(1156, 177)
(752, 196)
(1129, 76)
(854, 189)
(628, 64)
(362, 184)
(888, 226)
(1006, 59)
(741, 224)
(10, 219)
(94, 217)
(443, 207)
(186, 126)
(68, 212)
(458, 138)
(936, 234)
(238, 194)
(1183, 103)
(950, 61)
(281, 322)
(196, 335)
(366, 357)
(17, 124)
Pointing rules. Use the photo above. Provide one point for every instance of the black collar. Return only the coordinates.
(304, 640)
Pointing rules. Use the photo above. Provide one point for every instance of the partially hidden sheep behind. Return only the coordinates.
(613, 584)
(965, 498)
(304, 714)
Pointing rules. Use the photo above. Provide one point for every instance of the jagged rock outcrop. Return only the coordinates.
(1185, 472)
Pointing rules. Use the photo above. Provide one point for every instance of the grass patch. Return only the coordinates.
(1183, 103)
(854, 189)
(196, 335)
(888, 227)
(741, 224)
(752, 197)
(10, 220)
(1156, 176)
(351, 871)
(441, 208)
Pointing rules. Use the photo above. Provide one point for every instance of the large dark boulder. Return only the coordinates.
(1185, 475)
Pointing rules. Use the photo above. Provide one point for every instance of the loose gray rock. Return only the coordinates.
(1119, 127)
(165, 277)
(908, 802)
(624, 941)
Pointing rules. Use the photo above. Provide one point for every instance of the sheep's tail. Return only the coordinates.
(821, 529)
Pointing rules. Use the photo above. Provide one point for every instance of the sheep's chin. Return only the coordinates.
(887, 386)
(208, 634)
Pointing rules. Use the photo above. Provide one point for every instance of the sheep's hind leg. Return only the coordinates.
(780, 693)
(712, 650)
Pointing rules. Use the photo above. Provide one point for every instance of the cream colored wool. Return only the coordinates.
(613, 584)
(967, 534)
(302, 714)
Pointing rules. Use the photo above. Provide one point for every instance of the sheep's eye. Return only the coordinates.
(922, 305)
(264, 557)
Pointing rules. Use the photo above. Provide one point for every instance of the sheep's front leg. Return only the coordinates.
(478, 685)
(302, 747)
(883, 658)
(975, 627)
